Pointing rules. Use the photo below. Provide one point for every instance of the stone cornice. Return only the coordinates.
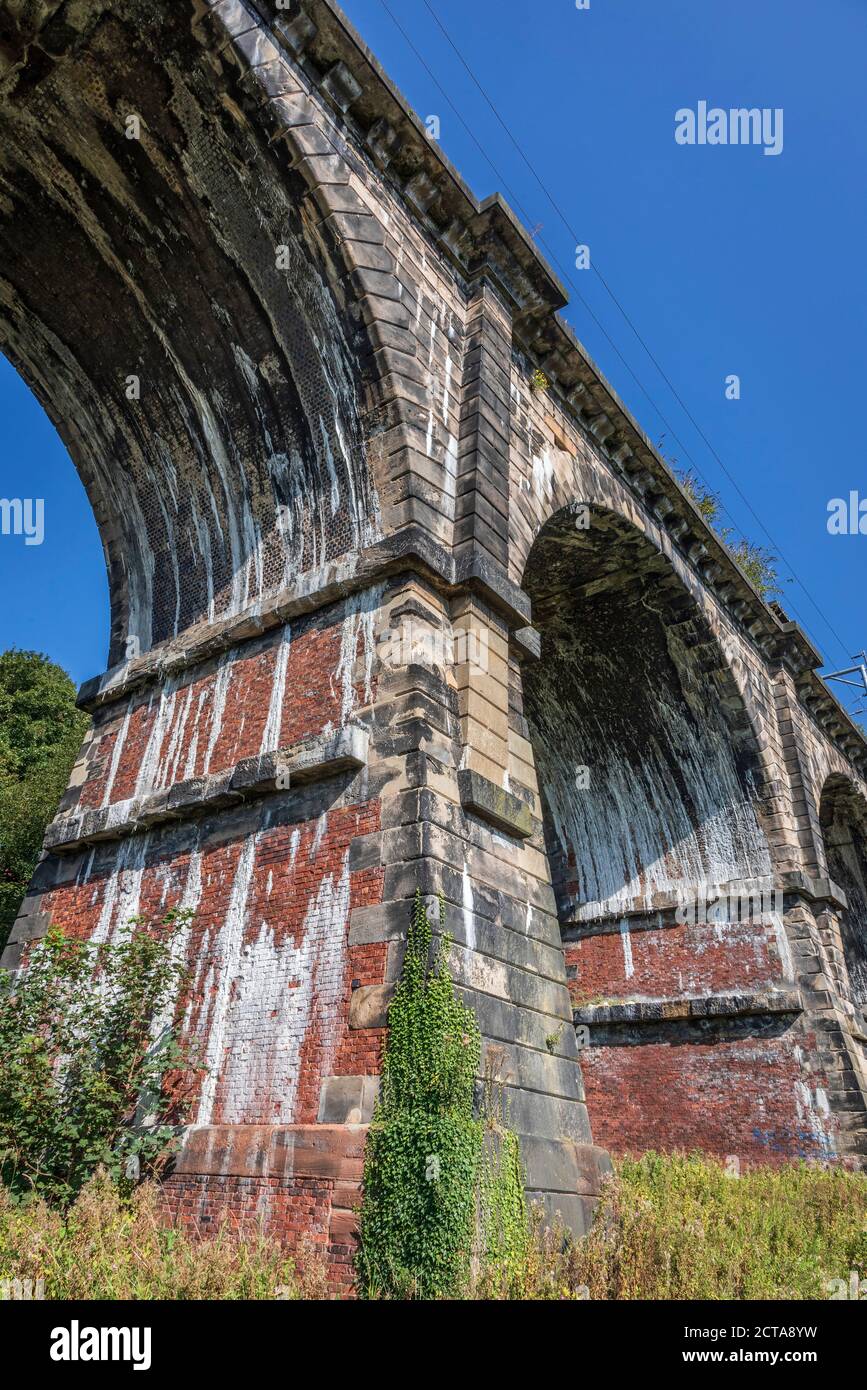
(479, 238)
(662, 908)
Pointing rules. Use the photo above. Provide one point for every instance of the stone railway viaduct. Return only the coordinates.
(384, 616)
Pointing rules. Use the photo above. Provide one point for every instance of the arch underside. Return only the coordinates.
(647, 766)
(843, 815)
(154, 264)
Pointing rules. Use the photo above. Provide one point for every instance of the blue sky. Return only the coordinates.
(727, 261)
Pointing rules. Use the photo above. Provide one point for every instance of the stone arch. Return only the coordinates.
(214, 400)
(633, 686)
(843, 819)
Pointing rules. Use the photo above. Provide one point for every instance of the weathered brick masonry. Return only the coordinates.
(386, 617)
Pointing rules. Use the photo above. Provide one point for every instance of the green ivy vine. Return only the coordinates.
(443, 1204)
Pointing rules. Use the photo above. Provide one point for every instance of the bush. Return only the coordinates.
(757, 563)
(106, 1247)
(87, 1040)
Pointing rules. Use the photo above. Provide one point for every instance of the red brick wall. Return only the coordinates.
(742, 1096)
(292, 867)
(670, 962)
(270, 969)
(314, 1214)
(213, 719)
(748, 1087)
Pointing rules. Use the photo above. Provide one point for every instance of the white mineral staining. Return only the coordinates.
(287, 477)
(667, 808)
(431, 387)
(467, 908)
(318, 836)
(274, 721)
(169, 522)
(359, 620)
(251, 377)
(85, 872)
(632, 832)
(267, 995)
(439, 386)
(224, 955)
(152, 770)
(225, 668)
(847, 863)
(316, 306)
(784, 951)
(182, 719)
(814, 1115)
(450, 455)
(626, 939)
(544, 467)
(451, 470)
(116, 754)
(122, 890)
(289, 485)
(193, 748)
(332, 470)
(169, 770)
(201, 533)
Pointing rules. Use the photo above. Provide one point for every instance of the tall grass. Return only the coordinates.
(104, 1247)
(669, 1227)
(675, 1226)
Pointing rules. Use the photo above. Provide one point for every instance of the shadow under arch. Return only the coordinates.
(649, 771)
(843, 818)
(206, 389)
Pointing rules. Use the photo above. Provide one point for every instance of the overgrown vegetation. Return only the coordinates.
(443, 1196)
(87, 1043)
(670, 1227)
(111, 1247)
(673, 1226)
(443, 1214)
(40, 736)
(757, 563)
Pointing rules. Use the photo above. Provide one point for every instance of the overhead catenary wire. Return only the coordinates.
(589, 310)
(663, 374)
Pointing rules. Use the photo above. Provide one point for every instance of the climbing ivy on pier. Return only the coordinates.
(443, 1197)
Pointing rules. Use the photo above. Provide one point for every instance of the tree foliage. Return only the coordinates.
(40, 736)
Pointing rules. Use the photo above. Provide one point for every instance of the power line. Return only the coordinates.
(676, 394)
(516, 202)
(555, 205)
